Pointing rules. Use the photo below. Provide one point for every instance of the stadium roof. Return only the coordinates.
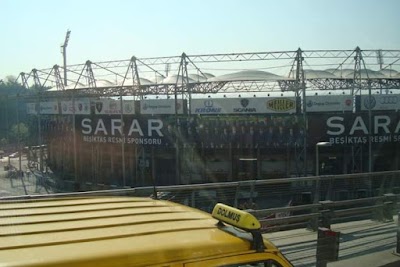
(248, 75)
(318, 74)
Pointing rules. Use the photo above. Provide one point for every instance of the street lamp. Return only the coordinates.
(314, 222)
(317, 155)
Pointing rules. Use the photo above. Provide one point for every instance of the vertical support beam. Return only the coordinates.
(153, 172)
(301, 86)
(39, 92)
(36, 79)
(259, 164)
(24, 80)
(181, 72)
(74, 140)
(123, 139)
(135, 79)
(357, 76)
(369, 119)
(91, 81)
(135, 180)
(20, 173)
(57, 77)
(357, 88)
(40, 133)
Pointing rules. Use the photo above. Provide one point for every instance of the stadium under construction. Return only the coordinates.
(218, 117)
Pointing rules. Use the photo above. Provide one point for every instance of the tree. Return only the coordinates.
(3, 141)
(20, 132)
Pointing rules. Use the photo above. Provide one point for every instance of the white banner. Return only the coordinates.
(380, 102)
(329, 103)
(161, 106)
(46, 108)
(244, 105)
(82, 106)
(112, 106)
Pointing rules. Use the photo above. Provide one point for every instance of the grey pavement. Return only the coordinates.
(363, 243)
(17, 186)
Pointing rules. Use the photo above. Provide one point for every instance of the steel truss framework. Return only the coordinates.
(85, 77)
(355, 72)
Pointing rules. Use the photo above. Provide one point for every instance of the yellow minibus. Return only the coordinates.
(129, 231)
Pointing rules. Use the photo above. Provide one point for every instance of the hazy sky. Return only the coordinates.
(32, 31)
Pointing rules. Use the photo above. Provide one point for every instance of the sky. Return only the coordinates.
(32, 31)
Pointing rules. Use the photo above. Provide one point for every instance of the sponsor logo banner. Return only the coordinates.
(161, 106)
(329, 103)
(354, 129)
(82, 106)
(45, 108)
(259, 105)
(112, 106)
(380, 102)
(204, 131)
(281, 105)
(111, 129)
(207, 106)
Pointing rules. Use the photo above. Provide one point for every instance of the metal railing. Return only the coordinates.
(278, 203)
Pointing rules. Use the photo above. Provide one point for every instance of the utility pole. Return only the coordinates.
(64, 52)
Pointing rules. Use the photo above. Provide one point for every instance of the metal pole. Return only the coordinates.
(65, 64)
(316, 160)
(20, 175)
(64, 52)
(153, 173)
(18, 136)
(370, 129)
(123, 141)
(317, 181)
(40, 136)
(74, 137)
(7, 122)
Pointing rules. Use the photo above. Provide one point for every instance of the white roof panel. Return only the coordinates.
(318, 74)
(349, 73)
(157, 79)
(248, 75)
(175, 79)
(197, 78)
(389, 73)
(105, 83)
(129, 82)
(72, 86)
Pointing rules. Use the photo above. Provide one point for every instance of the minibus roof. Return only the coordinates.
(105, 231)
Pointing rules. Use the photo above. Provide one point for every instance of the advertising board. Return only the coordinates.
(161, 106)
(259, 105)
(380, 102)
(329, 103)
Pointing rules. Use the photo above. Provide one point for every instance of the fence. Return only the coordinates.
(278, 203)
